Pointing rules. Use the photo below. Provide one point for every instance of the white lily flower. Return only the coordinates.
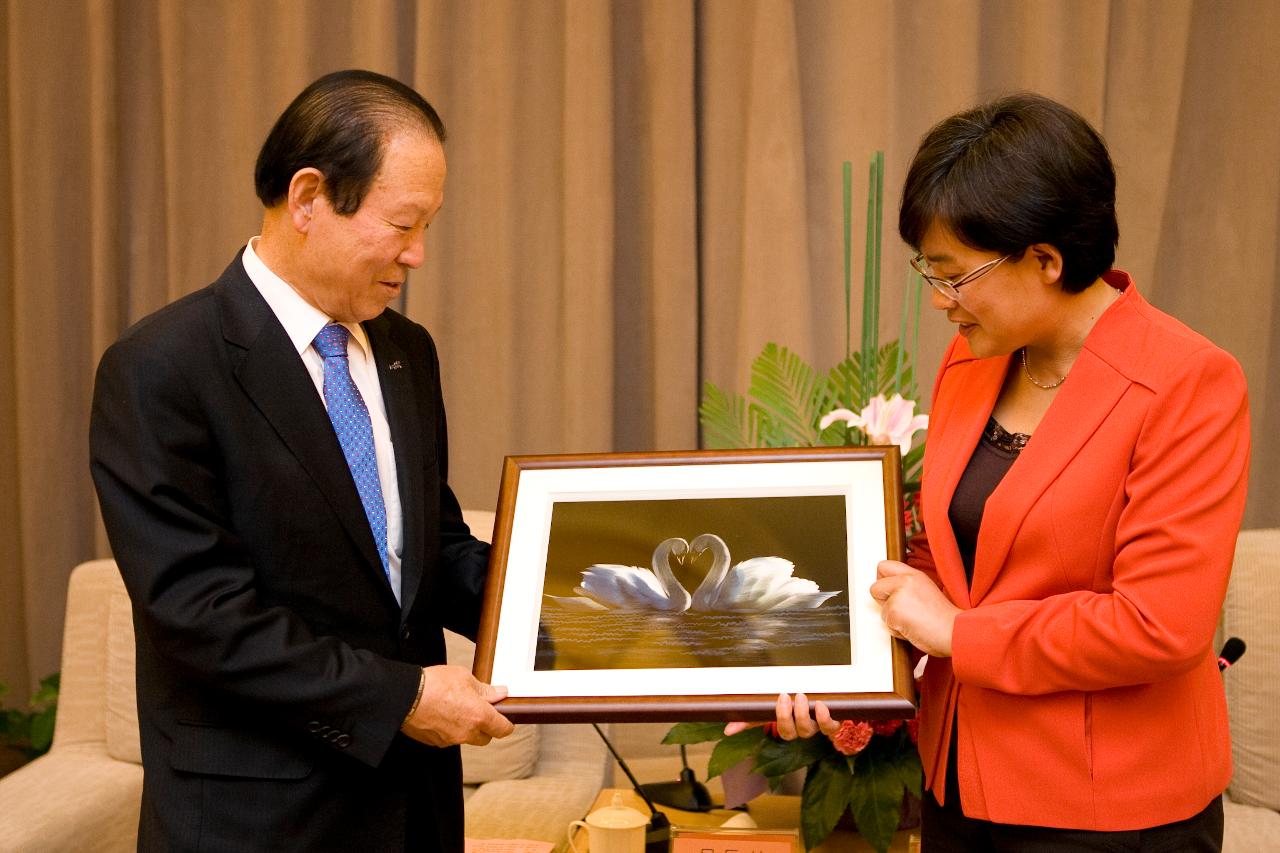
(891, 421)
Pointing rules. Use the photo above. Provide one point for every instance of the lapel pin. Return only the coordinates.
(395, 365)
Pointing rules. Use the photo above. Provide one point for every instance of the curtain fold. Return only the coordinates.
(641, 194)
(14, 660)
(58, 222)
(560, 282)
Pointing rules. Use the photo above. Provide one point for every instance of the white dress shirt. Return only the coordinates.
(302, 322)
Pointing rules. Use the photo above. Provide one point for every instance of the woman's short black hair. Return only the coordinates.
(339, 125)
(1019, 170)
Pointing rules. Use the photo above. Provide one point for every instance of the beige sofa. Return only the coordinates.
(84, 794)
(1252, 613)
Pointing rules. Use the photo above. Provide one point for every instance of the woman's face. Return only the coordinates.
(1004, 309)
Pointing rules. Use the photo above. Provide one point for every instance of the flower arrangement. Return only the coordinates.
(865, 768)
(868, 398)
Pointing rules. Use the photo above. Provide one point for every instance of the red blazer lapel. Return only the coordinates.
(1094, 388)
(1079, 410)
(964, 402)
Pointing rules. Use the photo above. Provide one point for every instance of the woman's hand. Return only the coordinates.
(913, 608)
(793, 719)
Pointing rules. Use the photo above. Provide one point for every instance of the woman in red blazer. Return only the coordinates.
(1084, 482)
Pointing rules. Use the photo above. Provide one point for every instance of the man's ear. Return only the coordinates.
(1048, 261)
(306, 190)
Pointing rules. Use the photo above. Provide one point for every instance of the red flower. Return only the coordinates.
(886, 727)
(852, 737)
(913, 728)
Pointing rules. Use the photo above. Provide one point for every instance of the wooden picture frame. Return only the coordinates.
(581, 622)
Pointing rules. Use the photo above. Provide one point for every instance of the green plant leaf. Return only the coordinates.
(790, 395)
(907, 765)
(19, 728)
(42, 731)
(886, 368)
(846, 379)
(825, 796)
(875, 800)
(912, 462)
(47, 691)
(726, 420)
(31, 732)
(734, 749)
(9, 722)
(694, 733)
(788, 398)
(780, 757)
(839, 434)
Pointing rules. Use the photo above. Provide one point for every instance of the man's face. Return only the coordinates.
(353, 266)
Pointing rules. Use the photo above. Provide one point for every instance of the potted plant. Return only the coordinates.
(870, 770)
(29, 734)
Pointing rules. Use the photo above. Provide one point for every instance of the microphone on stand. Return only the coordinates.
(1232, 649)
(658, 834)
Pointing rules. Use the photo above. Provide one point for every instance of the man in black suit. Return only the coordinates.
(274, 488)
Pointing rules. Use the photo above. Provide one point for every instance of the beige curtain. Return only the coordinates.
(641, 194)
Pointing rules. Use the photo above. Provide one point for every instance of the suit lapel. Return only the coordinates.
(395, 375)
(274, 378)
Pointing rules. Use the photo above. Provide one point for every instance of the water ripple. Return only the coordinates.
(657, 640)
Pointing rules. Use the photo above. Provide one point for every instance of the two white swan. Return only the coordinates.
(756, 585)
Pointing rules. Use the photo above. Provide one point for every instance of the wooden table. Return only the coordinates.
(769, 811)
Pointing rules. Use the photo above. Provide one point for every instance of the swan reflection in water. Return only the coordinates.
(755, 613)
(639, 639)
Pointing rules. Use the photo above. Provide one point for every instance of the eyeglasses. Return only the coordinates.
(950, 288)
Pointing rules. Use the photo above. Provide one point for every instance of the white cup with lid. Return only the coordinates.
(616, 828)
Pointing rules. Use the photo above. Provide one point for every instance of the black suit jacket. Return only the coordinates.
(274, 664)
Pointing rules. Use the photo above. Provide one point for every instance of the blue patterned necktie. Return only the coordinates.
(351, 422)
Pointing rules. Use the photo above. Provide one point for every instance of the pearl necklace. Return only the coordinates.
(1027, 370)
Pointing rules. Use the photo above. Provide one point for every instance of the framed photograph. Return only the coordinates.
(693, 586)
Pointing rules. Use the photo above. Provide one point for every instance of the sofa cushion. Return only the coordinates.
(122, 704)
(538, 809)
(512, 757)
(1249, 829)
(1251, 612)
(73, 798)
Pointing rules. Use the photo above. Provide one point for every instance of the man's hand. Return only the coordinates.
(913, 608)
(455, 708)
